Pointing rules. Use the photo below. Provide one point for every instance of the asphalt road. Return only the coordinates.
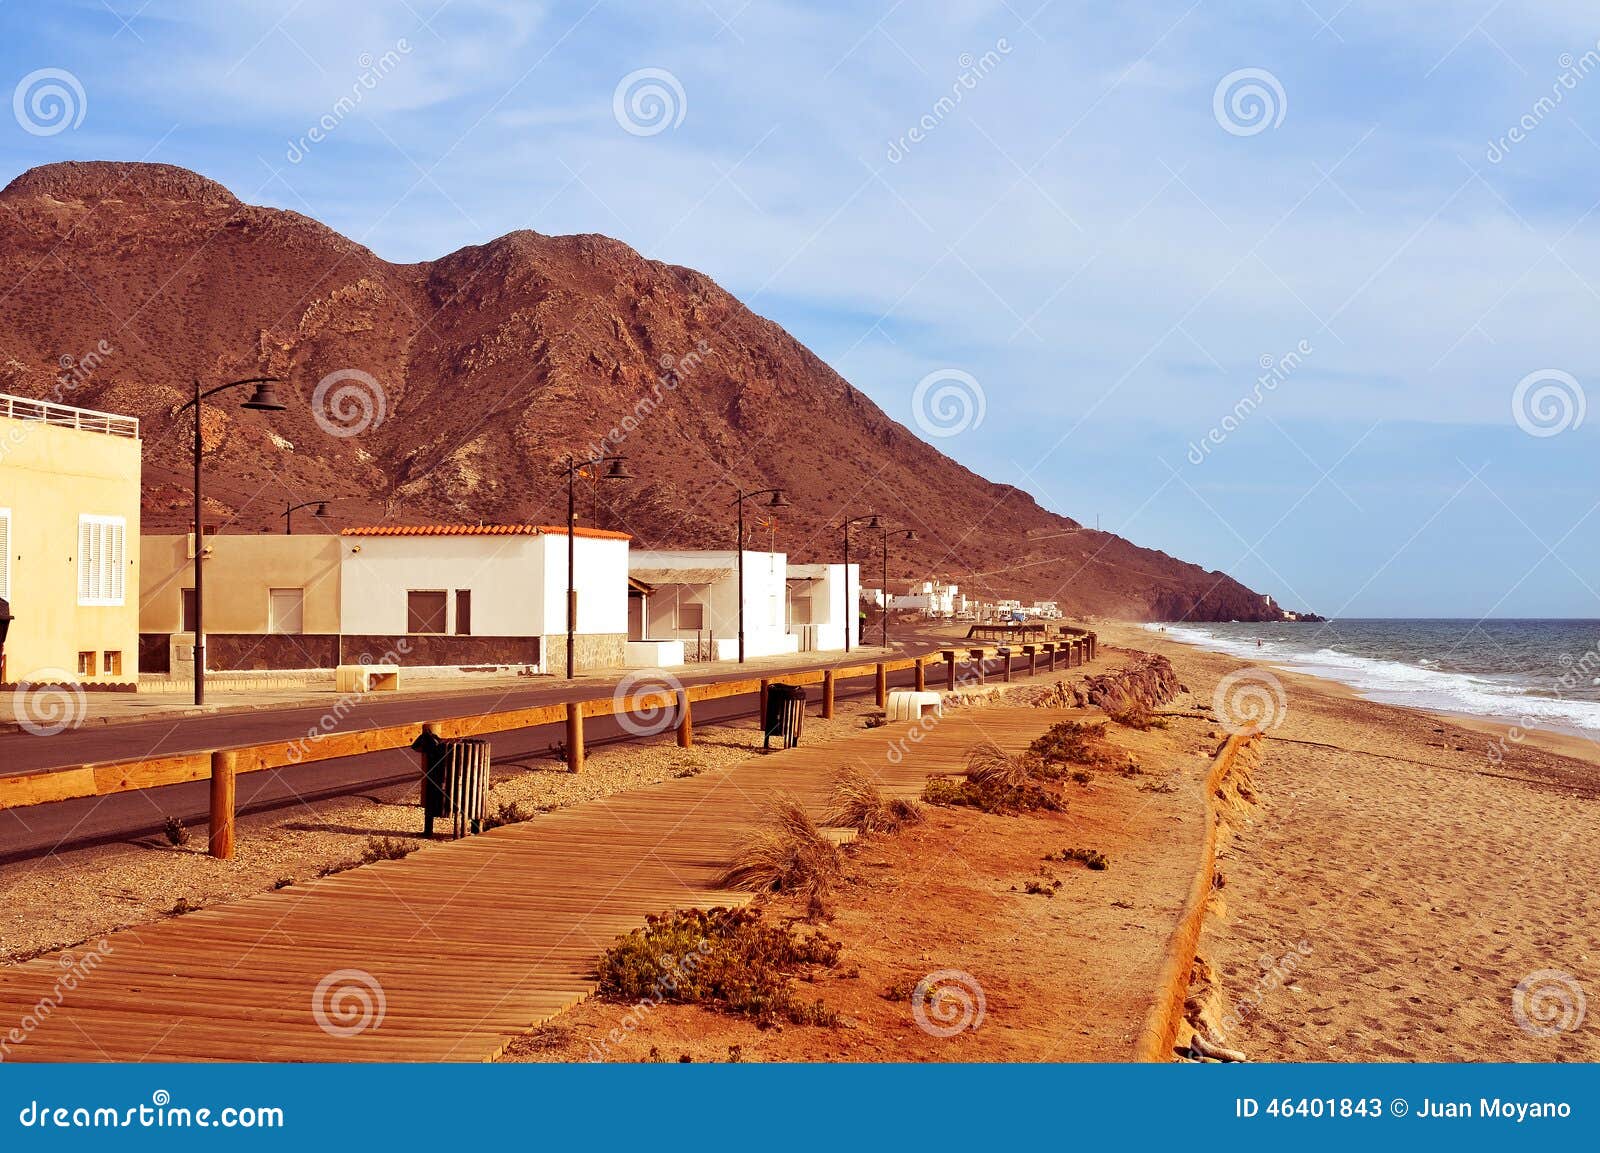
(41, 829)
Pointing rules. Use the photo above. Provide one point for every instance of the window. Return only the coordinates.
(800, 607)
(102, 560)
(191, 609)
(463, 612)
(691, 616)
(113, 662)
(86, 664)
(425, 611)
(5, 554)
(286, 611)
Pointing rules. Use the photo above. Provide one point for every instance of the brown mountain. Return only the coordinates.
(125, 282)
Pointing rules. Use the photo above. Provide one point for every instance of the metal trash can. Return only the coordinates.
(786, 712)
(455, 781)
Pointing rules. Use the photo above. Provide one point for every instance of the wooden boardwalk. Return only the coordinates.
(463, 945)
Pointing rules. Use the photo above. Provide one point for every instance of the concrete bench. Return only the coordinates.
(367, 678)
(910, 706)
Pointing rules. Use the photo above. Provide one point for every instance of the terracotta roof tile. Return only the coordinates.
(482, 530)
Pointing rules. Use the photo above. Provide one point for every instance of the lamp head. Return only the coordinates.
(321, 510)
(617, 469)
(778, 499)
(265, 398)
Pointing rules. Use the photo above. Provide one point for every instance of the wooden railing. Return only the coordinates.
(222, 766)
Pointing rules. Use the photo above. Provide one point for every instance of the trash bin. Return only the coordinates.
(786, 711)
(455, 781)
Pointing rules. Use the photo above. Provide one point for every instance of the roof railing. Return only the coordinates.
(68, 416)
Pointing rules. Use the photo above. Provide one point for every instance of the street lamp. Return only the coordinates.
(264, 398)
(907, 534)
(616, 469)
(871, 521)
(778, 501)
(289, 511)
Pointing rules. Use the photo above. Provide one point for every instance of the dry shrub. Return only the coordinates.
(859, 804)
(996, 782)
(1074, 743)
(727, 959)
(787, 854)
(1132, 713)
(387, 849)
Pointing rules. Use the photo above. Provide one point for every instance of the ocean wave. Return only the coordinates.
(1403, 683)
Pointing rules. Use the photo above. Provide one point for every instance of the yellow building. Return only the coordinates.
(69, 517)
(272, 602)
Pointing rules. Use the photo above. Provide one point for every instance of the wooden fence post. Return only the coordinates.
(685, 720)
(983, 671)
(922, 675)
(223, 769)
(882, 679)
(827, 694)
(1006, 676)
(761, 706)
(950, 670)
(575, 736)
(1050, 651)
(1033, 658)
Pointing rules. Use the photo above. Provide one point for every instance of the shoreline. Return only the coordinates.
(1393, 891)
(1509, 728)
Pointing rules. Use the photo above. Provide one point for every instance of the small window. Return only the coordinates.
(286, 611)
(425, 612)
(113, 662)
(464, 612)
(691, 616)
(191, 610)
(102, 560)
(86, 664)
(800, 607)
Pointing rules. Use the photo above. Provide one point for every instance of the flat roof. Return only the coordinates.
(482, 530)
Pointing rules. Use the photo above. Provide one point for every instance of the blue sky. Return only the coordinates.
(1095, 233)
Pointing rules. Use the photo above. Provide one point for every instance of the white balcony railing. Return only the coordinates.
(66, 416)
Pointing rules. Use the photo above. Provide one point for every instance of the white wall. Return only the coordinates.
(833, 603)
(765, 599)
(518, 583)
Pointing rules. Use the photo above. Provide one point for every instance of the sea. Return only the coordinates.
(1536, 673)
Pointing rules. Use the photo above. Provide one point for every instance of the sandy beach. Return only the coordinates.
(1400, 876)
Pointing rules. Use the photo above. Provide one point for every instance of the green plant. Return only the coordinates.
(859, 804)
(509, 813)
(1074, 743)
(175, 832)
(1090, 858)
(787, 854)
(730, 960)
(995, 782)
(387, 849)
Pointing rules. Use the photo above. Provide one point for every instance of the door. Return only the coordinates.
(286, 611)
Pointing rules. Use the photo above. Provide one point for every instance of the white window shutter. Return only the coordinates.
(5, 553)
(86, 560)
(117, 562)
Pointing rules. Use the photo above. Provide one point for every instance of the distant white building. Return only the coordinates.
(1045, 610)
(694, 598)
(933, 598)
(822, 605)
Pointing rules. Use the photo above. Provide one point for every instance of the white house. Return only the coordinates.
(694, 598)
(822, 605)
(932, 598)
(483, 595)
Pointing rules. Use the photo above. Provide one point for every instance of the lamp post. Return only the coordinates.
(290, 509)
(871, 521)
(778, 501)
(908, 534)
(616, 469)
(264, 398)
